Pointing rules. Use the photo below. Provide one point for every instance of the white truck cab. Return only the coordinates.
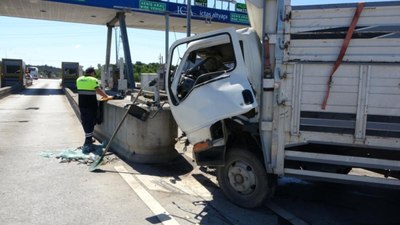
(210, 71)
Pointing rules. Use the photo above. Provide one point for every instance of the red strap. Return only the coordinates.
(343, 50)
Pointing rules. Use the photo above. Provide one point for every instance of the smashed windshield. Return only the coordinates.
(203, 61)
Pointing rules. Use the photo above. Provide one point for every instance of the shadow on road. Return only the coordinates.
(42, 91)
(175, 168)
(336, 204)
(217, 210)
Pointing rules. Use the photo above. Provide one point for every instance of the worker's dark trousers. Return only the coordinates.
(88, 118)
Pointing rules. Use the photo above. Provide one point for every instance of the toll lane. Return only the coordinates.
(39, 190)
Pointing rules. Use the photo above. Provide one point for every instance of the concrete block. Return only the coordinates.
(150, 141)
(4, 92)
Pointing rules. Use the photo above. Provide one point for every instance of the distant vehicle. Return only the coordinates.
(70, 72)
(28, 79)
(12, 72)
(34, 71)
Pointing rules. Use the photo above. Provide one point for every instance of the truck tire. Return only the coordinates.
(244, 180)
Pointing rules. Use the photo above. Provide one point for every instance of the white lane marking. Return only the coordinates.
(145, 196)
(288, 216)
(187, 184)
(152, 183)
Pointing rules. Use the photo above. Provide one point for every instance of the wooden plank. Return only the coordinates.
(390, 71)
(385, 82)
(360, 50)
(316, 107)
(325, 18)
(385, 101)
(335, 88)
(385, 90)
(376, 110)
(335, 99)
(337, 80)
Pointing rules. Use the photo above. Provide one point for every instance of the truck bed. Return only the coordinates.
(316, 32)
(360, 125)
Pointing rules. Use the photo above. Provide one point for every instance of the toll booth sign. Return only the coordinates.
(153, 6)
(239, 18)
(241, 7)
(200, 3)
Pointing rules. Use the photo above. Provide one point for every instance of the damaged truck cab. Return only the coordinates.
(212, 92)
(208, 87)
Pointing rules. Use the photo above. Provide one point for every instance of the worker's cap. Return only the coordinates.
(90, 70)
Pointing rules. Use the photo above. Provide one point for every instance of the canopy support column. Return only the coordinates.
(127, 53)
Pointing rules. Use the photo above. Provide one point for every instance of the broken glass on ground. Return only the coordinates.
(85, 154)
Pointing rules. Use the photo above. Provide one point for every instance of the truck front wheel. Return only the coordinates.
(244, 180)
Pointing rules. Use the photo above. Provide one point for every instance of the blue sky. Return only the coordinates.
(40, 42)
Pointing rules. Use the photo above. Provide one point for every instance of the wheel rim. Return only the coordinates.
(241, 177)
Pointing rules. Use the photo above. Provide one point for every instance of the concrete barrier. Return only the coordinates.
(150, 141)
(6, 91)
(73, 101)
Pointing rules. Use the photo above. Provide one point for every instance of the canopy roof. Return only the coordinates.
(141, 14)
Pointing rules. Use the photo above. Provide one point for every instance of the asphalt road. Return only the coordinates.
(39, 190)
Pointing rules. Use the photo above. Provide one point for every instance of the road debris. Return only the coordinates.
(82, 155)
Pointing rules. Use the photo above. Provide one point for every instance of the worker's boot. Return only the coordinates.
(86, 149)
(88, 145)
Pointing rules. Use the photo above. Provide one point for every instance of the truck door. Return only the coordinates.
(206, 81)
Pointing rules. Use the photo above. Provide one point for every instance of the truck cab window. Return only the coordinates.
(203, 64)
